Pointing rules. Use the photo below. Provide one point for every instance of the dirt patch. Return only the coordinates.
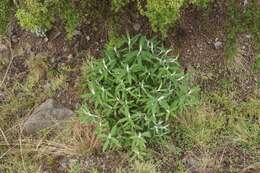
(200, 38)
(240, 68)
(195, 39)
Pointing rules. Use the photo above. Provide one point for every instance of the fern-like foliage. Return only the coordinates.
(134, 92)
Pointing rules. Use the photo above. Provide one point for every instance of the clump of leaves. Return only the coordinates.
(163, 14)
(39, 16)
(35, 17)
(134, 92)
(118, 4)
(201, 3)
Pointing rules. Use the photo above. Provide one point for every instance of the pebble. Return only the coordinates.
(48, 114)
(218, 44)
(14, 39)
(46, 39)
(245, 2)
(137, 26)
(248, 36)
(2, 95)
(77, 32)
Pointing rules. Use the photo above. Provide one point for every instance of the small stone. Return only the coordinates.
(248, 36)
(14, 39)
(190, 163)
(137, 26)
(245, 2)
(46, 115)
(218, 44)
(70, 57)
(3, 47)
(46, 39)
(47, 86)
(77, 32)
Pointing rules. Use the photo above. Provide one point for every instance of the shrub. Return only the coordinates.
(39, 16)
(163, 13)
(35, 17)
(134, 92)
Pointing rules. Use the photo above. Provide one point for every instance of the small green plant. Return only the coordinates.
(134, 92)
(163, 13)
(72, 20)
(118, 4)
(256, 65)
(75, 168)
(5, 10)
(201, 3)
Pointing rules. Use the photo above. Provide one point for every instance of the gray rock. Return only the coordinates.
(15, 39)
(88, 38)
(218, 44)
(46, 39)
(137, 26)
(245, 2)
(48, 114)
(190, 163)
(248, 36)
(2, 95)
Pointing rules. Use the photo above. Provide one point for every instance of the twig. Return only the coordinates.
(5, 138)
(9, 65)
(15, 3)
(2, 156)
(21, 149)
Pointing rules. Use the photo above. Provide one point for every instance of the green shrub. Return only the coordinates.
(39, 16)
(134, 92)
(163, 14)
(35, 17)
